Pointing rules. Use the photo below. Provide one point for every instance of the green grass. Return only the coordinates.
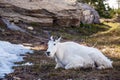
(34, 24)
(90, 29)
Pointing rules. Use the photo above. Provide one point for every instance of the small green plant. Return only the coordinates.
(89, 29)
(34, 24)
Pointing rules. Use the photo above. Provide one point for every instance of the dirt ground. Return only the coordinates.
(43, 68)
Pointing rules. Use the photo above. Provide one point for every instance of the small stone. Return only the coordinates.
(30, 28)
(16, 78)
(39, 79)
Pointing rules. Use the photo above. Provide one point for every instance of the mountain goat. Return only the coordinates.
(73, 55)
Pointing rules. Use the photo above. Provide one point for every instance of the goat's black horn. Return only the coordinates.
(48, 33)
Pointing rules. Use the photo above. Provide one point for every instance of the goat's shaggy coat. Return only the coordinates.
(73, 55)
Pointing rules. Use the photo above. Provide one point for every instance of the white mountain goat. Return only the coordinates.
(73, 55)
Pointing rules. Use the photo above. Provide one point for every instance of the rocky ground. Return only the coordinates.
(106, 35)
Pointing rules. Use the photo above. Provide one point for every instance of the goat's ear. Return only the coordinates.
(51, 38)
(58, 40)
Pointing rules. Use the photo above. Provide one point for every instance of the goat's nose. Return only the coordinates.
(48, 53)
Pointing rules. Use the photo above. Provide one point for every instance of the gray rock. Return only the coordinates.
(89, 14)
(12, 26)
(64, 13)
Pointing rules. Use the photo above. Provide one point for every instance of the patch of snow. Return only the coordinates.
(27, 64)
(10, 53)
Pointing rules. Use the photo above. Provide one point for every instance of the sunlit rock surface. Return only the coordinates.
(64, 13)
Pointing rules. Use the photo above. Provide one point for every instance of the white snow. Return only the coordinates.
(27, 64)
(10, 53)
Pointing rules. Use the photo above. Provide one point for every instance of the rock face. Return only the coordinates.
(88, 14)
(48, 12)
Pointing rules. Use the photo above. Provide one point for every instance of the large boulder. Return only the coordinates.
(48, 12)
(88, 14)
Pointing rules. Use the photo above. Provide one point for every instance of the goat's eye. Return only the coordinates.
(54, 44)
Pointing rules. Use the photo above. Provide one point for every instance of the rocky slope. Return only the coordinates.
(48, 12)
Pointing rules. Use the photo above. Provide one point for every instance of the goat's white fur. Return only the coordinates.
(73, 55)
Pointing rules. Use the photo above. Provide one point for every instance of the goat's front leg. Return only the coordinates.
(73, 65)
(58, 65)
